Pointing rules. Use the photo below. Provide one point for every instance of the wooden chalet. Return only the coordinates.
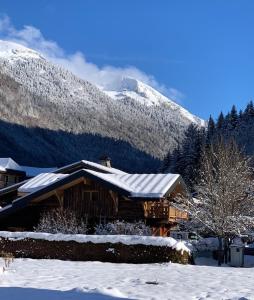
(95, 192)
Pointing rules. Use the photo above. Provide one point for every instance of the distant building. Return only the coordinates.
(11, 172)
(96, 192)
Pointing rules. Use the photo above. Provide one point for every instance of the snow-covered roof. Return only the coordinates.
(9, 163)
(40, 181)
(34, 171)
(99, 167)
(140, 185)
(104, 168)
(136, 185)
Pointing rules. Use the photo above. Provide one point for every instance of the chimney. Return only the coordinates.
(105, 161)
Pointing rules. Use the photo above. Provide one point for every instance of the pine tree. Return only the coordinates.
(166, 163)
(175, 160)
(233, 118)
(210, 130)
(220, 122)
(189, 154)
(249, 111)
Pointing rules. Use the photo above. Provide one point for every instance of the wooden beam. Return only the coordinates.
(114, 197)
(58, 191)
(60, 196)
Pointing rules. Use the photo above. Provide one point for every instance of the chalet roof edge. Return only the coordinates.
(86, 163)
(105, 179)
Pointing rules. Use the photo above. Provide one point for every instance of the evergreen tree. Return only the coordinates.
(233, 118)
(220, 125)
(249, 111)
(166, 163)
(210, 130)
(185, 160)
(175, 160)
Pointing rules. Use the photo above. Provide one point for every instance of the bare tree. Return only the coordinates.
(224, 203)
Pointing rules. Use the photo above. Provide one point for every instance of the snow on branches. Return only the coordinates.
(122, 227)
(224, 203)
(61, 221)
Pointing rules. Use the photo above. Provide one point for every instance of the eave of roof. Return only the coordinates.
(22, 202)
(12, 187)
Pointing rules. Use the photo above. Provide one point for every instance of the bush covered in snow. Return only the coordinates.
(61, 221)
(122, 227)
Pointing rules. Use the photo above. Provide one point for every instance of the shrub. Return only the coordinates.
(61, 221)
(122, 227)
(8, 258)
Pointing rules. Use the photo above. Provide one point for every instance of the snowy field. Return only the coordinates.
(29, 279)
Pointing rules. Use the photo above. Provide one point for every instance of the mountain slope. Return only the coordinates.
(146, 95)
(36, 93)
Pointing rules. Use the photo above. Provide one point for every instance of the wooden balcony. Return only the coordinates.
(163, 210)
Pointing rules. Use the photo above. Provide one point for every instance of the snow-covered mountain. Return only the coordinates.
(34, 92)
(144, 94)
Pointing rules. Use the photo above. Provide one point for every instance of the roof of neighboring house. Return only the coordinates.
(7, 164)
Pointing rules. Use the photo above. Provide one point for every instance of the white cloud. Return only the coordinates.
(107, 77)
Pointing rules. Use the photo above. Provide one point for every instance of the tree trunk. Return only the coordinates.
(220, 252)
(226, 248)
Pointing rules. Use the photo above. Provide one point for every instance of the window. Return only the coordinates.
(91, 196)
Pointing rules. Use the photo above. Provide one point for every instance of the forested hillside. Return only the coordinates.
(47, 99)
(237, 125)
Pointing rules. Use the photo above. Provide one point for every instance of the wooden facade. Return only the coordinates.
(95, 203)
(11, 177)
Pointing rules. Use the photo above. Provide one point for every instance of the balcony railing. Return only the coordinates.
(162, 210)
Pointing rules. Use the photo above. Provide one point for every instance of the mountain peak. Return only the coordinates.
(133, 88)
(144, 94)
(13, 50)
(129, 84)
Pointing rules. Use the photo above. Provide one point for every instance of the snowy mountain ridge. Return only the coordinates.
(35, 92)
(146, 95)
(14, 51)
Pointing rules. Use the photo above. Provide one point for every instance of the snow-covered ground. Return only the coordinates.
(30, 279)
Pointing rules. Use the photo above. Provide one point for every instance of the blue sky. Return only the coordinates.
(200, 52)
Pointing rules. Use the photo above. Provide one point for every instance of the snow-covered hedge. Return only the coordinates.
(105, 248)
(100, 239)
